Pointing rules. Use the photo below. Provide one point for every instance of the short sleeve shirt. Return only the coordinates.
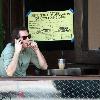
(25, 57)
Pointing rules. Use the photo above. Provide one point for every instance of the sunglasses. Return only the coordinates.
(25, 37)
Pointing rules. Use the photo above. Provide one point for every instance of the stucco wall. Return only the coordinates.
(94, 24)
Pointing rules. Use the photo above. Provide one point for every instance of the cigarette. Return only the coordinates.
(31, 40)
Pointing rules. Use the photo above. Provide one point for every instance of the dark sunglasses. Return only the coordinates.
(25, 37)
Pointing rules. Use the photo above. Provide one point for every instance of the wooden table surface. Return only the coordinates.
(34, 78)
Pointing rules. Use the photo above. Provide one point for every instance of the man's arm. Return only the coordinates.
(13, 64)
(41, 59)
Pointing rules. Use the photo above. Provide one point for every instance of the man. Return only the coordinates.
(17, 55)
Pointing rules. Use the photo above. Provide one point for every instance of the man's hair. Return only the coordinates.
(15, 33)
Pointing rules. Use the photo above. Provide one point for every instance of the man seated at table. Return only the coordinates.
(17, 55)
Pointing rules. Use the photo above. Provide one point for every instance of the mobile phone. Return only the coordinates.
(19, 40)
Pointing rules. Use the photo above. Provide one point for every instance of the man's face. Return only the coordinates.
(24, 36)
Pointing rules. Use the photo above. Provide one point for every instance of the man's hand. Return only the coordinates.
(33, 45)
(18, 45)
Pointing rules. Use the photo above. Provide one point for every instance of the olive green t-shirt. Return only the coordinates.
(25, 57)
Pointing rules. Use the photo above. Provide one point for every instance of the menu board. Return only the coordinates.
(51, 25)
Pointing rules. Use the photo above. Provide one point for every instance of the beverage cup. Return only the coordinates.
(61, 63)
